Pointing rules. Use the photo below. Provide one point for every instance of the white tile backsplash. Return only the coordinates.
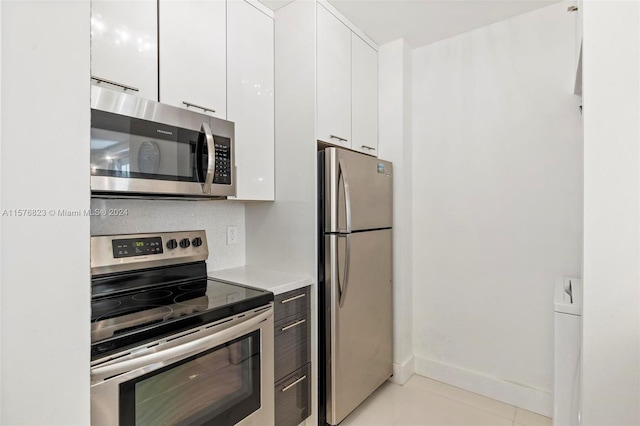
(177, 215)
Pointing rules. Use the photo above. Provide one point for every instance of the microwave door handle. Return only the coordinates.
(187, 349)
(211, 159)
(199, 152)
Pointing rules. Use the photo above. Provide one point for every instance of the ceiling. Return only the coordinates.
(422, 22)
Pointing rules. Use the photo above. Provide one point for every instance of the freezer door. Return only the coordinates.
(358, 191)
(359, 324)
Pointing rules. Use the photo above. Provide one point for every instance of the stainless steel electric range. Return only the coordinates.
(171, 346)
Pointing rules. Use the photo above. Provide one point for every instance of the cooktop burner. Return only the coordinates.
(152, 295)
(122, 320)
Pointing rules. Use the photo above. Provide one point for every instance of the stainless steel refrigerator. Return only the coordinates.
(354, 271)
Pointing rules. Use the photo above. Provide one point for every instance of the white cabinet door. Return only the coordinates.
(334, 79)
(124, 45)
(364, 99)
(193, 55)
(250, 62)
(578, 39)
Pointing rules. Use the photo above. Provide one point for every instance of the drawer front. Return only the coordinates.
(291, 302)
(292, 344)
(293, 397)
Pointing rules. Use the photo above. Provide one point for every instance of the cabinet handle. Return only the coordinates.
(339, 138)
(205, 109)
(572, 9)
(293, 298)
(113, 83)
(368, 147)
(286, 388)
(295, 324)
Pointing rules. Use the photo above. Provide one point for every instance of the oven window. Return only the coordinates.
(218, 387)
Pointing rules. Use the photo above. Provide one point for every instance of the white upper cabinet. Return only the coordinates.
(124, 46)
(578, 38)
(364, 89)
(193, 55)
(347, 85)
(578, 49)
(250, 65)
(334, 79)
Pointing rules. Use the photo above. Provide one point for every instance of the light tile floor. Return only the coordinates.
(423, 401)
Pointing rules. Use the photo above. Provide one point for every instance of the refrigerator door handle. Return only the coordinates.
(347, 260)
(347, 194)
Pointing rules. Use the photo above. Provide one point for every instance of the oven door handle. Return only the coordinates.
(180, 351)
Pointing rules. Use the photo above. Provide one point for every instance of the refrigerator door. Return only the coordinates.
(359, 323)
(358, 191)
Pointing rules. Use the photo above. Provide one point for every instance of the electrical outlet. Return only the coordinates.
(232, 235)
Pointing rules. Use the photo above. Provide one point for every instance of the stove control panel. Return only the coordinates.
(136, 247)
(116, 253)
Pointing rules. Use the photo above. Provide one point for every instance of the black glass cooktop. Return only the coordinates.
(120, 320)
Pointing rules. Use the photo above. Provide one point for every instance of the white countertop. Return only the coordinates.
(266, 279)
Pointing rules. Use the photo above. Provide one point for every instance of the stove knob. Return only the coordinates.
(184, 243)
(197, 242)
(171, 244)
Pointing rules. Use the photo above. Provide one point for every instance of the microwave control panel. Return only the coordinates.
(222, 175)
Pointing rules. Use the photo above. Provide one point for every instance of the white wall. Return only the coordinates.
(611, 315)
(1, 208)
(395, 96)
(282, 235)
(497, 203)
(172, 215)
(45, 260)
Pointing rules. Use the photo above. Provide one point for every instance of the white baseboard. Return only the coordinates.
(511, 393)
(402, 372)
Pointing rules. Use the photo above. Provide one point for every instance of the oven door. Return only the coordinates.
(141, 147)
(220, 374)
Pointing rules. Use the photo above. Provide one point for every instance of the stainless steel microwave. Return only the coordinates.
(142, 148)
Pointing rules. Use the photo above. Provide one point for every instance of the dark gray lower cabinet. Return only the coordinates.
(293, 397)
(292, 336)
(290, 303)
(292, 347)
